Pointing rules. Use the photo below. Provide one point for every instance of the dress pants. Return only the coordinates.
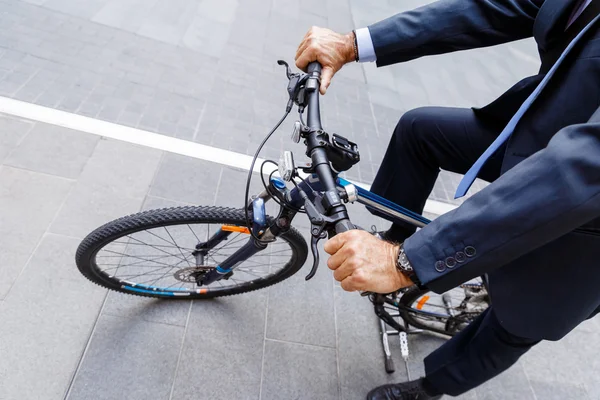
(425, 140)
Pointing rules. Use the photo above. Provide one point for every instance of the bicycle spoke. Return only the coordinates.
(137, 262)
(250, 273)
(227, 245)
(168, 233)
(136, 276)
(161, 250)
(161, 277)
(194, 233)
(139, 258)
(144, 244)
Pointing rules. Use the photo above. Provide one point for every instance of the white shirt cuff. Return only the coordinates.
(366, 51)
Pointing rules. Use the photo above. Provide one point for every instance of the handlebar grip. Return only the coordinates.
(314, 66)
(344, 226)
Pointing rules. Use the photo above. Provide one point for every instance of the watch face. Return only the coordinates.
(404, 263)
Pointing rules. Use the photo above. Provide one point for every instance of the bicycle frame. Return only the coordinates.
(389, 210)
(352, 193)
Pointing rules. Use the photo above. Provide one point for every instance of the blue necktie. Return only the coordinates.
(471, 174)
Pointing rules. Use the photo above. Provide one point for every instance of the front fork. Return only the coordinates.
(252, 246)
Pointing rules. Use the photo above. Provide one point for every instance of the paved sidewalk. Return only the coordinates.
(205, 71)
(64, 337)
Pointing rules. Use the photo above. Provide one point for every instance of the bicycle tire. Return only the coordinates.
(98, 239)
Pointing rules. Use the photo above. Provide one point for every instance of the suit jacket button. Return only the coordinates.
(460, 257)
(470, 251)
(440, 266)
(450, 262)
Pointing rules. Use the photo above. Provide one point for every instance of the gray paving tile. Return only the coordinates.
(46, 321)
(224, 339)
(128, 353)
(512, 383)
(206, 35)
(83, 9)
(12, 132)
(420, 347)
(301, 311)
(583, 344)
(294, 371)
(152, 203)
(553, 372)
(167, 23)
(24, 216)
(151, 310)
(54, 150)
(124, 168)
(127, 14)
(232, 188)
(88, 207)
(185, 179)
(112, 184)
(555, 390)
(360, 351)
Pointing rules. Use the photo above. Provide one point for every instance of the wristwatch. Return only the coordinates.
(404, 266)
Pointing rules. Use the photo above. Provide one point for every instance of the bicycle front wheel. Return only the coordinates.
(152, 253)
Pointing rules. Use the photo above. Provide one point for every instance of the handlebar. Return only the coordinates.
(312, 87)
(320, 161)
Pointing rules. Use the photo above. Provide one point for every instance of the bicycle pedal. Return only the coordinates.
(404, 345)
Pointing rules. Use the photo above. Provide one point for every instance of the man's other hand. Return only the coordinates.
(361, 261)
(329, 48)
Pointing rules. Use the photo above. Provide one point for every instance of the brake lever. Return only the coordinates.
(288, 72)
(315, 251)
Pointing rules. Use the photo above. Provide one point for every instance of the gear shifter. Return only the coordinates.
(295, 86)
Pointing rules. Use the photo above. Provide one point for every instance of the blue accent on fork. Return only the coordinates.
(222, 270)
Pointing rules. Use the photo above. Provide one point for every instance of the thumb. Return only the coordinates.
(326, 76)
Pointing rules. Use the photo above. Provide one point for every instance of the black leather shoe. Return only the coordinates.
(412, 390)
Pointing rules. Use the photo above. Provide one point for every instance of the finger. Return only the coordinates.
(305, 58)
(345, 270)
(347, 267)
(302, 48)
(326, 77)
(349, 285)
(337, 259)
(334, 244)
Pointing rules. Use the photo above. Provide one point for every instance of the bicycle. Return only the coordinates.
(199, 252)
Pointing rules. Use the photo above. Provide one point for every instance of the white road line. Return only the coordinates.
(111, 130)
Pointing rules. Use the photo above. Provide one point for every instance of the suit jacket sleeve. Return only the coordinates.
(450, 25)
(548, 195)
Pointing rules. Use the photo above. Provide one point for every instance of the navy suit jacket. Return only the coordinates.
(535, 230)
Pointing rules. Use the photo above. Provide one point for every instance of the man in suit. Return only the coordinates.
(535, 230)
